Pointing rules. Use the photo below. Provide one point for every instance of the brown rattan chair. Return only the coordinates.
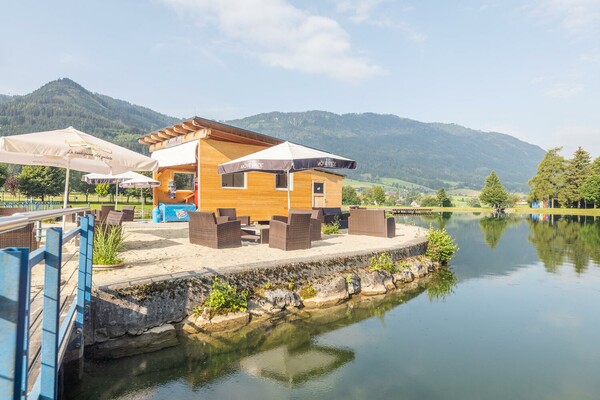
(128, 213)
(316, 218)
(291, 233)
(104, 210)
(207, 230)
(22, 237)
(332, 214)
(113, 220)
(232, 215)
(371, 223)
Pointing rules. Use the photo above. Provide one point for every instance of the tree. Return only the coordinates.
(429, 201)
(12, 185)
(349, 196)
(577, 170)
(493, 193)
(375, 195)
(596, 166)
(442, 198)
(590, 190)
(102, 189)
(77, 185)
(3, 174)
(546, 184)
(38, 181)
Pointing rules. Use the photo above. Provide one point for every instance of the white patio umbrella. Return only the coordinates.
(141, 182)
(286, 158)
(72, 149)
(111, 179)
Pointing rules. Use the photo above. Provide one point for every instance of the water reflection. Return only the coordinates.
(565, 239)
(441, 285)
(493, 227)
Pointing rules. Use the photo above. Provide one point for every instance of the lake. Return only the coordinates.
(516, 318)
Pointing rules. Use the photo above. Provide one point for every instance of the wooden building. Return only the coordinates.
(190, 151)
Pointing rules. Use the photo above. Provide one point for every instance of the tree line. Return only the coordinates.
(568, 183)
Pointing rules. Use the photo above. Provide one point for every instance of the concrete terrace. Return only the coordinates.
(155, 250)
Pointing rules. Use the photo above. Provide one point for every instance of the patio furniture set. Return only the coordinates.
(295, 232)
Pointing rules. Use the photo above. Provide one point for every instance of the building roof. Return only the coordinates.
(214, 130)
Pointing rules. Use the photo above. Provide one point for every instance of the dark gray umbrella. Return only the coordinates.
(287, 158)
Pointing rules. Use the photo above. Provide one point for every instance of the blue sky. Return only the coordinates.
(529, 68)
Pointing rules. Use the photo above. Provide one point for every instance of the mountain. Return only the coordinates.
(64, 103)
(429, 154)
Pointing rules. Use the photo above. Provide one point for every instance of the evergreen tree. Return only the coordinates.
(349, 196)
(493, 193)
(3, 174)
(577, 171)
(38, 181)
(546, 184)
(443, 199)
(596, 166)
(590, 190)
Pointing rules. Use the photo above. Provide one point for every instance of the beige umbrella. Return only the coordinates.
(72, 149)
(110, 179)
(141, 182)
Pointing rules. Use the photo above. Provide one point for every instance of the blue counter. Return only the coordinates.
(168, 212)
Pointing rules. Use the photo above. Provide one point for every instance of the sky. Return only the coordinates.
(528, 68)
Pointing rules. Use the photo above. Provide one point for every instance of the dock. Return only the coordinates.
(411, 211)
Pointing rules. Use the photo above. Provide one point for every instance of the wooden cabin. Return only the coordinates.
(190, 151)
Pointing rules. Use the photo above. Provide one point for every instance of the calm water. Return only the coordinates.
(518, 319)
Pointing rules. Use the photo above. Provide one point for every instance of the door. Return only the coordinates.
(318, 194)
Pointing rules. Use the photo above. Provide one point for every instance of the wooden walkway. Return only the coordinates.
(411, 211)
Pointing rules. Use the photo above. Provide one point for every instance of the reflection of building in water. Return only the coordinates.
(297, 365)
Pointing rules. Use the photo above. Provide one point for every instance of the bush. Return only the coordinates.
(332, 228)
(225, 298)
(308, 291)
(383, 262)
(440, 245)
(107, 244)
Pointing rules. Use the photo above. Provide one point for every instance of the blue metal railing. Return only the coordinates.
(16, 265)
(31, 205)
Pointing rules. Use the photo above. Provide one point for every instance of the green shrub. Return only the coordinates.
(308, 291)
(332, 228)
(440, 245)
(291, 284)
(383, 262)
(107, 244)
(225, 298)
(402, 265)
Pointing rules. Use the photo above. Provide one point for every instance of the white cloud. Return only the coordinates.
(592, 57)
(281, 35)
(365, 12)
(563, 90)
(575, 16)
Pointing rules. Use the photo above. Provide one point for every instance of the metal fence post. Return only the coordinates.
(88, 266)
(51, 316)
(13, 300)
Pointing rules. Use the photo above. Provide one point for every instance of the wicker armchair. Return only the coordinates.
(104, 210)
(232, 215)
(22, 237)
(114, 219)
(207, 230)
(128, 213)
(316, 219)
(331, 214)
(291, 233)
(371, 223)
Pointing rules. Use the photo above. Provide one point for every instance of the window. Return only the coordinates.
(184, 181)
(281, 182)
(318, 188)
(236, 180)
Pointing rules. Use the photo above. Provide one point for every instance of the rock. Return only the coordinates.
(218, 323)
(280, 298)
(418, 270)
(403, 276)
(372, 283)
(329, 293)
(353, 284)
(153, 339)
(388, 280)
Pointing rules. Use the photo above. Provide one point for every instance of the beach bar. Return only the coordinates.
(189, 152)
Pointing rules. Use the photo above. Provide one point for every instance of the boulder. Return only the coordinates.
(372, 283)
(403, 276)
(218, 323)
(418, 269)
(329, 293)
(353, 284)
(280, 299)
(151, 340)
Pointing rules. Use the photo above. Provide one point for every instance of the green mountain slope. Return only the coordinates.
(429, 154)
(64, 103)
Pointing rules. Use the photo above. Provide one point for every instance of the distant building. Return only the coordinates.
(415, 204)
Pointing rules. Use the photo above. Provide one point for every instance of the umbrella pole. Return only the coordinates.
(142, 194)
(66, 198)
(117, 197)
